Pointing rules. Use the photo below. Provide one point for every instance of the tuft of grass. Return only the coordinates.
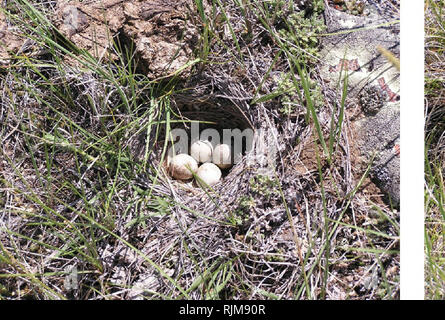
(434, 150)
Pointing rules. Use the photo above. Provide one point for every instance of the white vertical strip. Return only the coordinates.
(411, 146)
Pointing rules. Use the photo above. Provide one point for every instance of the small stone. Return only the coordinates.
(371, 99)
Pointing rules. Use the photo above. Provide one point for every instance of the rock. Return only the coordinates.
(90, 26)
(372, 99)
(380, 134)
(353, 46)
(373, 84)
(161, 31)
(163, 34)
(10, 41)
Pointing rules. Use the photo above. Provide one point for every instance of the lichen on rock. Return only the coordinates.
(373, 83)
(372, 99)
(378, 138)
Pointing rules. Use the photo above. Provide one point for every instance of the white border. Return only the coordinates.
(412, 146)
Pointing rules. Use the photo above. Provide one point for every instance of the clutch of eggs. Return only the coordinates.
(213, 159)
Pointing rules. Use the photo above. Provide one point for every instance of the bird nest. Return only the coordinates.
(215, 120)
(193, 117)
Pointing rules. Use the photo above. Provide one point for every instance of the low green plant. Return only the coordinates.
(241, 213)
(264, 186)
(290, 94)
(301, 33)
